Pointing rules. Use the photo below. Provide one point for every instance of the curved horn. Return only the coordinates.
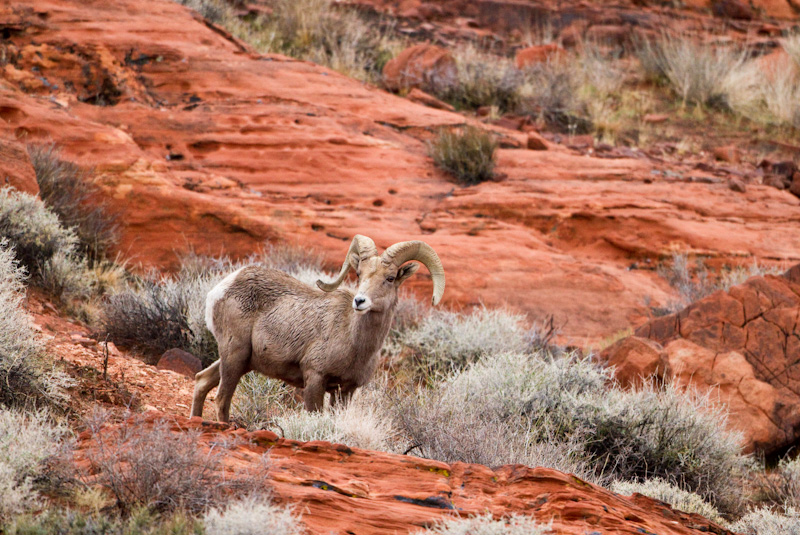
(362, 246)
(402, 252)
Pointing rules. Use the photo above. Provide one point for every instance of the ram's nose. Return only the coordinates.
(361, 303)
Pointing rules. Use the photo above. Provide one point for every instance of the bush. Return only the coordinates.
(570, 404)
(34, 231)
(769, 95)
(782, 485)
(314, 30)
(664, 491)
(444, 342)
(160, 314)
(768, 522)
(26, 381)
(486, 525)
(251, 516)
(259, 399)
(69, 191)
(157, 468)
(698, 73)
(469, 154)
(26, 442)
(141, 522)
(482, 80)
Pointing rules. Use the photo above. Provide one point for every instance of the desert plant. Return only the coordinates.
(141, 522)
(26, 380)
(699, 73)
(568, 402)
(782, 485)
(768, 93)
(486, 525)
(766, 521)
(444, 342)
(666, 492)
(70, 192)
(27, 440)
(468, 154)
(482, 79)
(252, 515)
(259, 399)
(150, 465)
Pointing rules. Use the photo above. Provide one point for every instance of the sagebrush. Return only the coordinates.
(486, 525)
(252, 515)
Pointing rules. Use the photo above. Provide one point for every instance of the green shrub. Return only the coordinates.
(26, 380)
(468, 155)
(252, 516)
(486, 525)
(69, 191)
(26, 442)
(570, 404)
(768, 522)
(664, 491)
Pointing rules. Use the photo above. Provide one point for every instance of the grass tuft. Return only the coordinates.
(468, 155)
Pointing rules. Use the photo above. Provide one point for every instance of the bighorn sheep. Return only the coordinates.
(268, 321)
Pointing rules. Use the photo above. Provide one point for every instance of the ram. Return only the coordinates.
(320, 341)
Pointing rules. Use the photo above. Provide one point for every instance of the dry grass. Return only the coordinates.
(675, 496)
(468, 154)
(769, 522)
(486, 525)
(698, 73)
(252, 515)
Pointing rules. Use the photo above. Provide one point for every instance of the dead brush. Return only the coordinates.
(160, 468)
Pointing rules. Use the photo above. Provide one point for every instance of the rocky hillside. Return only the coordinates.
(202, 143)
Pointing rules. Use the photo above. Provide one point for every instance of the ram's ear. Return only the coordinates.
(406, 271)
(354, 260)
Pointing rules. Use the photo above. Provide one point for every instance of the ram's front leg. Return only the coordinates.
(314, 391)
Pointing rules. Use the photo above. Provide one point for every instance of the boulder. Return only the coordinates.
(744, 344)
(636, 360)
(180, 361)
(533, 55)
(732, 9)
(423, 66)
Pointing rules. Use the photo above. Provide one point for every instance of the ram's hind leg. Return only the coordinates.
(233, 367)
(204, 381)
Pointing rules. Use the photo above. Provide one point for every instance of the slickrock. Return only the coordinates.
(200, 142)
(743, 344)
(346, 490)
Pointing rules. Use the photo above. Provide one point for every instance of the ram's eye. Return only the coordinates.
(390, 278)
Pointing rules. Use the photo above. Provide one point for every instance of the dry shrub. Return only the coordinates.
(26, 380)
(468, 154)
(26, 442)
(140, 522)
(483, 79)
(782, 485)
(664, 491)
(71, 193)
(486, 525)
(769, 95)
(590, 425)
(158, 468)
(766, 521)
(252, 516)
(698, 72)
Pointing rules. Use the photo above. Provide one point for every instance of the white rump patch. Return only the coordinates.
(217, 293)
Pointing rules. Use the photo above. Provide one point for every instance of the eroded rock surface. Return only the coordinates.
(200, 142)
(345, 490)
(744, 344)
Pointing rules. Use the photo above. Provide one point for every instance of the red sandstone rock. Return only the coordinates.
(180, 361)
(745, 344)
(732, 9)
(728, 153)
(636, 360)
(421, 97)
(346, 490)
(423, 66)
(15, 165)
(536, 142)
(283, 150)
(532, 55)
